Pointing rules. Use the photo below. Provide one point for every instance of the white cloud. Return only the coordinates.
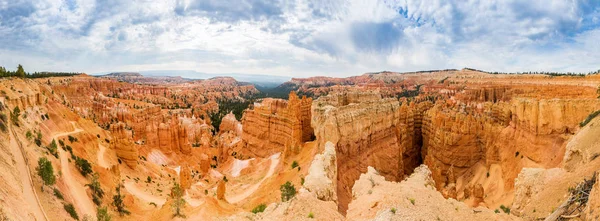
(300, 38)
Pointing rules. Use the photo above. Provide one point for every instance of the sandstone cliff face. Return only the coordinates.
(362, 126)
(123, 144)
(276, 125)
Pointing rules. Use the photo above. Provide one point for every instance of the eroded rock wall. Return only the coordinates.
(277, 125)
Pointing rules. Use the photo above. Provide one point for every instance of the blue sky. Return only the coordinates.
(300, 38)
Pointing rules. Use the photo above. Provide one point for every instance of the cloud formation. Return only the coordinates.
(300, 37)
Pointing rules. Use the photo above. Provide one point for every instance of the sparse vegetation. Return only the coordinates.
(178, 201)
(97, 192)
(412, 201)
(45, 171)
(28, 135)
(3, 122)
(53, 148)
(311, 215)
(259, 209)
(58, 194)
(14, 116)
(294, 164)
(72, 139)
(102, 214)
(118, 201)
(83, 165)
(505, 209)
(38, 139)
(71, 210)
(288, 191)
(393, 210)
(589, 118)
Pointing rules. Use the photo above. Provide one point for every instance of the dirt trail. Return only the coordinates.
(135, 191)
(101, 161)
(237, 198)
(29, 194)
(77, 190)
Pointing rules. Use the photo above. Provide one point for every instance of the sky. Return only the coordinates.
(300, 38)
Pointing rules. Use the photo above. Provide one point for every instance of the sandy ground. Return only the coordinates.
(237, 198)
(140, 194)
(77, 190)
(101, 161)
(29, 194)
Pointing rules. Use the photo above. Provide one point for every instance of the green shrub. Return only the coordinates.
(102, 214)
(412, 201)
(38, 139)
(45, 171)
(83, 165)
(118, 202)
(71, 210)
(3, 122)
(589, 118)
(97, 192)
(14, 116)
(29, 135)
(72, 139)
(311, 215)
(294, 164)
(505, 209)
(259, 209)
(53, 149)
(288, 191)
(58, 194)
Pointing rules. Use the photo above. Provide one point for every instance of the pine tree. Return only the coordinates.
(119, 203)
(178, 201)
(20, 71)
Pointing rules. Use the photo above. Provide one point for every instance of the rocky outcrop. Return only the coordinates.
(123, 145)
(362, 126)
(322, 174)
(276, 125)
(185, 177)
(411, 199)
(221, 190)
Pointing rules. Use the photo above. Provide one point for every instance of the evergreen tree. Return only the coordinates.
(178, 201)
(46, 171)
(119, 203)
(20, 72)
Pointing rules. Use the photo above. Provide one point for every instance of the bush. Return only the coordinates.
(178, 201)
(29, 135)
(53, 148)
(83, 165)
(505, 209)
(102, 214)
(38, 139)
(45, 171)
(97, 192)
(58, 194)
(259, 209)
(294, 164)
(311, 215)
(71, 210)
(118, 202)
(393, 210)
(72, 139)
(288, 191)
(589, 118)
(14, 116)
(3, 122)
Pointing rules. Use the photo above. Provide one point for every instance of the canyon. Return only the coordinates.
(449, 144)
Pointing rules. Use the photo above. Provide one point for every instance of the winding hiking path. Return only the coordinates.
(29, 194)
(135, 191)
(237, 198)
(77, 190)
